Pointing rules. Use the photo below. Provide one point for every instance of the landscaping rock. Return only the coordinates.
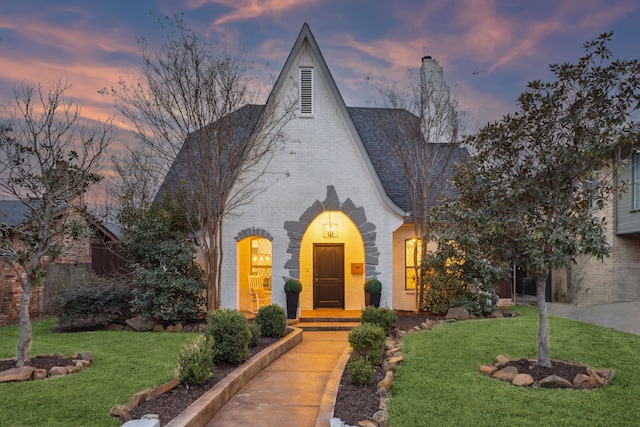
(487, 369)
(457, 313)
(367, 423)
(158, 328)
(507, 373)
(141, 323)
(85, 355)
(381, 418)
(496, 314)
(178, 327)
(17, 374)
(40, 374)
(554, 381)
(522, 380)
(501, 359)
(585, 381)
(387, 382)
(114, 327)
(57, 371)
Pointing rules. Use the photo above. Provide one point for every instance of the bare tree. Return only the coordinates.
(194, 107)
(422, 125)
(48, 158)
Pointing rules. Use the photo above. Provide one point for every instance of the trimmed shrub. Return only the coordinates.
(272, 320)
(92, 303)
(293, 286)
(255, 334)
(195, 361)
(360, 372)
(367, 341)
(373, 286)
(231, 335)
(384, 317)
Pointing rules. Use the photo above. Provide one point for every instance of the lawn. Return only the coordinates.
(439, 384)
(124, 363)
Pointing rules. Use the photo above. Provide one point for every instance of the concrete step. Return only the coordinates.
(327, 326)
(329, 319)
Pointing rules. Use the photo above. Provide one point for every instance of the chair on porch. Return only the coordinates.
(259, 296)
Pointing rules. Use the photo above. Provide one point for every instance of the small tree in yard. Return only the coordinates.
(48, 159)
(167, 282)
(530, 191)
(194, 106)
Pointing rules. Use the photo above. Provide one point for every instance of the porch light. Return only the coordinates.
(329, 230)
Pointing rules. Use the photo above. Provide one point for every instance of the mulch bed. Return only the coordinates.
(39, 362)
(558, 367)
(169, 405)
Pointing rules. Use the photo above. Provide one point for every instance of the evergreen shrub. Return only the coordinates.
(272, 320)
(231, 335)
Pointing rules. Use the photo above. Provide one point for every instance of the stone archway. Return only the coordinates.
(296, 229)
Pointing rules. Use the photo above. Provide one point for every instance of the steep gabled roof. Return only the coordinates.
(369, 127)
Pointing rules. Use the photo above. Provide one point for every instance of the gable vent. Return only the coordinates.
(306, 91)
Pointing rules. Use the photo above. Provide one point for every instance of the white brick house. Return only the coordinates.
(340, 215)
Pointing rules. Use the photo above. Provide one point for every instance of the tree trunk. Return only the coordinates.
(543, 322)
(24, 343)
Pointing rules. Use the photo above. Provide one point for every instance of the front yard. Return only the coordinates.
(439, 384)
(124, 364)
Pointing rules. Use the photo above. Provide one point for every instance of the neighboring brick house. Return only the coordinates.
(96, 252)
(617, 278)
(339, 212)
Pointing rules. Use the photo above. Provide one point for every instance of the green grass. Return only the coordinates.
(124, 363)
(439, 384)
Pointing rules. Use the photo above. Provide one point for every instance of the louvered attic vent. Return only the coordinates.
(306, 91)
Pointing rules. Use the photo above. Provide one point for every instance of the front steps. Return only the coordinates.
(327, 323)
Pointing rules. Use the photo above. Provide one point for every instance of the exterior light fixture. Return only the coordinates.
(329, 230)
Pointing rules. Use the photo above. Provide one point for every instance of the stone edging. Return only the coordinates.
(200, 412)
(27, 373)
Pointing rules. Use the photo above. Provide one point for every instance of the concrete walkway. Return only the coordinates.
(623, 316)
(297, 390)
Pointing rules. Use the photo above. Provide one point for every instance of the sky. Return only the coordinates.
(489, 49)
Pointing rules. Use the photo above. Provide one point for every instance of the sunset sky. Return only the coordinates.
(489, 48)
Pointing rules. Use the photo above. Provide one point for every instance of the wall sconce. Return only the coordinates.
(329, 230)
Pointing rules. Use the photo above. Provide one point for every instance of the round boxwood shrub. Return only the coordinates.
(231, 335)
(272, 320)
(373, 286)
(367, 342)
(195, 361)
(293, 286)
(384, 317)
(360, 371)
(255, 334)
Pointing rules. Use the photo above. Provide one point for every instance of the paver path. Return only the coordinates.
(290, 391)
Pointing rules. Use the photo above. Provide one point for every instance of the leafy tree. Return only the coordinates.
(529, 190)
(195, 106)
(157, 239)
(48, 159)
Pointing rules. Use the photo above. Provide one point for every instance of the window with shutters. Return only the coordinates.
(306, 91)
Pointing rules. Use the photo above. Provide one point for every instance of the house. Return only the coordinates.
(617, 278)
(341, 215)
(96, 253)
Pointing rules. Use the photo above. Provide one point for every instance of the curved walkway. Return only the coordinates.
(297, 390)
(623, 316)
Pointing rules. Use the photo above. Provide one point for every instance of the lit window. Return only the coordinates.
(261, 259)
(306, 91)
(412, 252)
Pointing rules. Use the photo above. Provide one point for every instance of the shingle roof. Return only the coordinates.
(12, 212)
(243, 120)
(374, 126)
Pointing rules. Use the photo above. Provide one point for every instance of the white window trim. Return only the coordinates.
(306, 92)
